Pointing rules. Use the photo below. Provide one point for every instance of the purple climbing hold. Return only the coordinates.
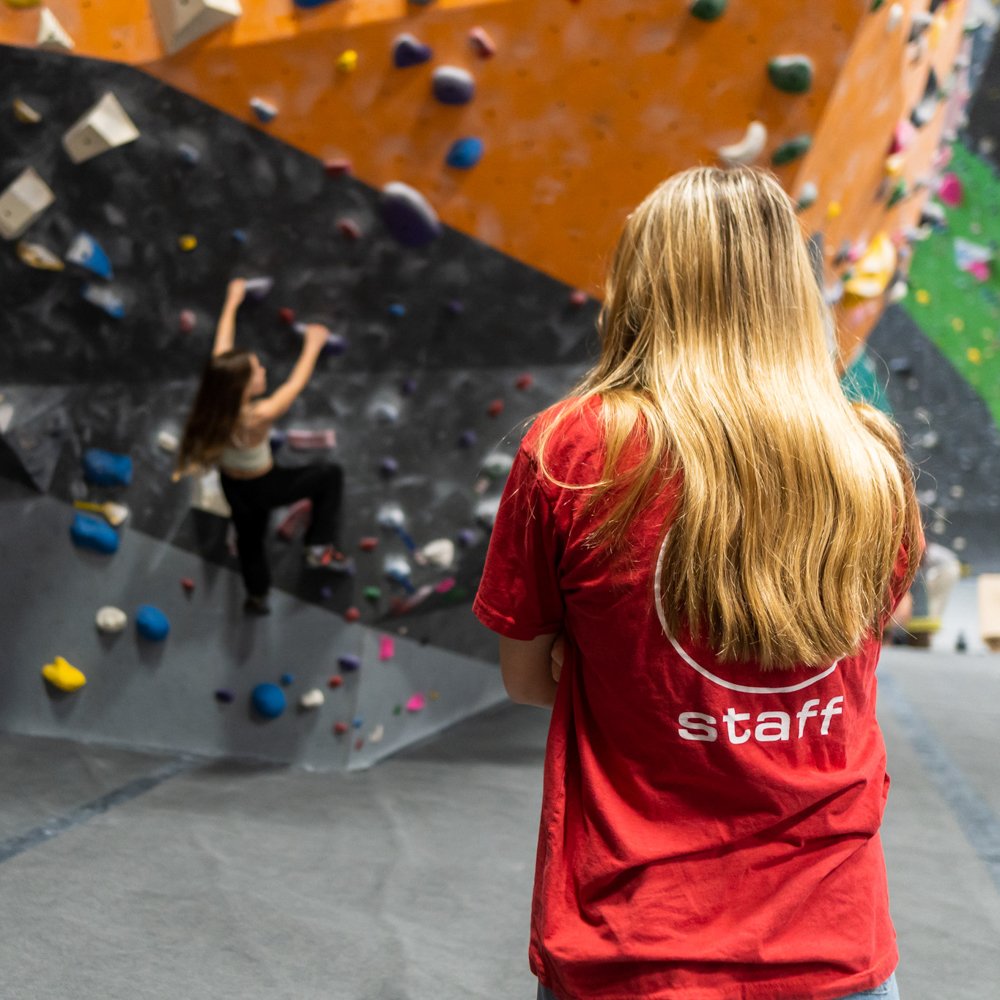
(349, 662)
(408, 215)
(408, 386)
(452, 85)
(225, 695)
(310, 4)
(456, 307)
(467, 537)
(465, 153)
(409, 51)
(468, 439)
(388, 466)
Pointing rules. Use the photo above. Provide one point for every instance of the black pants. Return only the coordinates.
(252, 500)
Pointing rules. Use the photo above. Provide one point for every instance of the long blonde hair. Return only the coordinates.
(792, 501)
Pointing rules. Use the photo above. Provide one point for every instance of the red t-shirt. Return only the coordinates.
(708, 832)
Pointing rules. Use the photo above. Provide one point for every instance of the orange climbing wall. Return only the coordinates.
(585, 107)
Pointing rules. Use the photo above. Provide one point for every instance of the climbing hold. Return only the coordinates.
(388, 466)
(377, 734)
(352, 615)
(312, 699)
(919, 24)
(524, 381)
(467, 537)
(792, 74)
(481, 43)
(440, 553)
(238, 236)
(104, 299)
(455, 306)
(23, 201)
(181, 22)
(390, 515)
(335, 681)
(465, 153)
(452, 85)
(349, 229)
(397, 309)
(287, 316)
(105, 126)
(347, 62)
(39, 257)
(895, 18)
(311, 440)
(973, 258)
(349, 662)
(495, 408)
(337, 167)
(340, 728)
(111, 620)
(310, 4)
(151, 623)
(51, 34)
(287, 679)
(924, 112)
(93, 533)
(25, 113)
(167, 441)
(256, 289)
(874, 270)
(408, 386)
(368, 544)
(409, 51)
(225, 695)
(359, 743)
(87, 253)
(63, 675)
(408, 215)
(748, 148)
(106, 468)
(808, 194)
(397, 570)
(708, 10)
(486, 511)
(372, 594)
(22, 4)
(188, 154)
(187, 585)
(357, 722)
(116, 514)
(187, 242)
(577, 298)
(296, 520)
(417, 703)
(791, 150)
(386, 647)
(264, 110)
(268, 700)
(467, 439)
(950, 190)
(897, 193)
(902, 136)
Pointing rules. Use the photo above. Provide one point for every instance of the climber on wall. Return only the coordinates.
(229, 426)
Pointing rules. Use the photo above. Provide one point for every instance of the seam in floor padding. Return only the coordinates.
(13, 846)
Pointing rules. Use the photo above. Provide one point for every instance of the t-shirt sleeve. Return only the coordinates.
(897, 586)
(519, 594)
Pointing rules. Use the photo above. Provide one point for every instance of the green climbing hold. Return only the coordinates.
(875, 5)
(792, 74)
(373, 594)
(898, 193)
(791, 150)
(709, 10)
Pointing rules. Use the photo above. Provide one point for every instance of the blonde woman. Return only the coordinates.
(693, 562)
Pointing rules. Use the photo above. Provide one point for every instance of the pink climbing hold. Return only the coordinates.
(481, 43)
(417, 703)
(309, 440)
(980, 270)
(950, 190)
(902, 136)
(337, 167)
(386, 647)
(187, 320)
(349, 229)
(578, 297)
(444, 585)
(296, 520)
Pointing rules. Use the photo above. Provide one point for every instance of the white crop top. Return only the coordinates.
(255, 457)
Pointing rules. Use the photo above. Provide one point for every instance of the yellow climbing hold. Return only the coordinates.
(187, 243)
(958, 324)
(63, 675)
(922, 296)
(974, 355)
(347, 62)
(834, 209)
(23, 4)
(874, 270)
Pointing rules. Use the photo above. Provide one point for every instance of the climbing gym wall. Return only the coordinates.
(441, 184)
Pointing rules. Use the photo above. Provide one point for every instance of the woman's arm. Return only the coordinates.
(529, 669)
(225, 331)
(277, 404)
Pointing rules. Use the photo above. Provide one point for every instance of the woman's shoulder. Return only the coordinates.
(566, 436)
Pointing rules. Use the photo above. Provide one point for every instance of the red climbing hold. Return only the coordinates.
(188, 584)
(187, 320)
(287, 316)
(340, 728)
(335, 681)
(352, 615)
(368, 544)
(481, 43)
(524, 382)
(359, 743)
(495, 408)
(349, 229)
(337, 167)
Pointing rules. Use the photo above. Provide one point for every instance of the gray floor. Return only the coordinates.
(412, 880)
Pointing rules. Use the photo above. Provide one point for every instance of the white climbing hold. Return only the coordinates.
(105, 126)
(748, 148)
(111, 620)
(181, 22)
(51, 34)
(440, 553)
(22, 202)
(312, 699)
(390, 515)
(895, 18)
(377, 734)
(486, 511)
(167, 441)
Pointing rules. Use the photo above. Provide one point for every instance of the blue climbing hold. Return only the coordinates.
(287, 679)
(465, 153)
(93, 533)
(239, 236)
(397, 309)
(408, 215)
(87, 253)
(188, 154)
(452, 85)
(268, 700)
(409, 51)
(104, 299)
(106, 468)
(152, 623)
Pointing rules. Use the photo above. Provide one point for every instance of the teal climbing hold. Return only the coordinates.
(709, 10)
(792, 74)
(791, 150)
